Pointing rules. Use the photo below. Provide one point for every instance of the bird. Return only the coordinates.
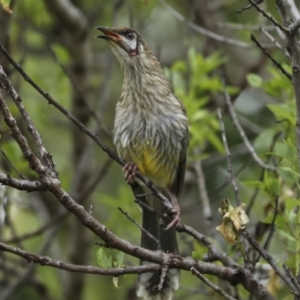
(151, 135)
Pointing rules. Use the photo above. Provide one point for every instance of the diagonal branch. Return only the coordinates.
(242, 133)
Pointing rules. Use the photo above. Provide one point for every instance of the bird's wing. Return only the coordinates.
(176, 187)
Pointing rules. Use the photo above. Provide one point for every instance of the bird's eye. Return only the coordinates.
(130, 35)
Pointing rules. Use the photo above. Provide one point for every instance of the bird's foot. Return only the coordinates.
(174, 214)
(130, 171)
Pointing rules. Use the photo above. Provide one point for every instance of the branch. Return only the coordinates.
(292, 43)
(235, 276)
(48, 261)
(272, 39)
(202, 30)
(276, 64)
(270, 17)
(34, 163)
(216, 288)
(240, 130)
(271, 261)
(47, 158)
(155, 240)
(228, 156)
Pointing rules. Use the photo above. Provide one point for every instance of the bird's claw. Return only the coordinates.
(130, 172)
(174, 214)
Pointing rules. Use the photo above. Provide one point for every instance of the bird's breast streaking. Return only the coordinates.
(150, 141)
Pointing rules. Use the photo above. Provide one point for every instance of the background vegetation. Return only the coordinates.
(205, 49)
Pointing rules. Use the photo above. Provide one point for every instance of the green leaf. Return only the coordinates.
(254, 80)
(291, 203)
(286, 235)
(285, 150)
(104, 259)
(283, 112)
(288, 174)
(119, 258)
(254, 184)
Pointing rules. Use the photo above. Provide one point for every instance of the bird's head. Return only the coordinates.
(125, 42)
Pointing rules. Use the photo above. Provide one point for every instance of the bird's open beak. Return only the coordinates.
(109, 34)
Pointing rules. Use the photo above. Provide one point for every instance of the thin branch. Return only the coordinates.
(241, 131)
(48, 261)
(292, 44)
(270, 17)
(233, 275)
(12, 166)
(46, 157)
(202, 30)
(276, 64)
(271, 261)
(272, 39)
(216, 288)
(79, 91)
(155, 240)
(291, 276)
(206, 209)
(272, 229)
(228, 156)
(34, 162)
(237, 26)
(80, 198)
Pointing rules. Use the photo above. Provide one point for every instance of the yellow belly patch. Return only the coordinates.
(152, 164)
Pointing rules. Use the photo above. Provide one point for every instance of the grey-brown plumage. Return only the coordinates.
(151, 134)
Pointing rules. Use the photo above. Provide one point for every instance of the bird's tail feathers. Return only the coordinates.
(148, 282)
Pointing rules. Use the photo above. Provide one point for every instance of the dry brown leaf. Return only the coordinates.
(234, 220)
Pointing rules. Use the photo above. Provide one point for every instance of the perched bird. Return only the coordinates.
(151, 135)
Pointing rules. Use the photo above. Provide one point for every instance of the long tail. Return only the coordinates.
(148, 282)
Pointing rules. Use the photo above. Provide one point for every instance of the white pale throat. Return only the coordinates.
(132, 44)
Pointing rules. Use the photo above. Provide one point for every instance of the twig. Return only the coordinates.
(261, 176)
(216, 288)
(239, 11)
(276, 64)
(272, 229)
(79, 91)
(34, 163)
(237, 26)
(10, 163)
(271, 261)
(272, 39)
(206, 209)
(214, 252)
(228, 156)
(47, 261)
(81, 197)
(46, 157)
(270, 17)
(292, 277)
(241, 131)
(154, 239)
(204, 31)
